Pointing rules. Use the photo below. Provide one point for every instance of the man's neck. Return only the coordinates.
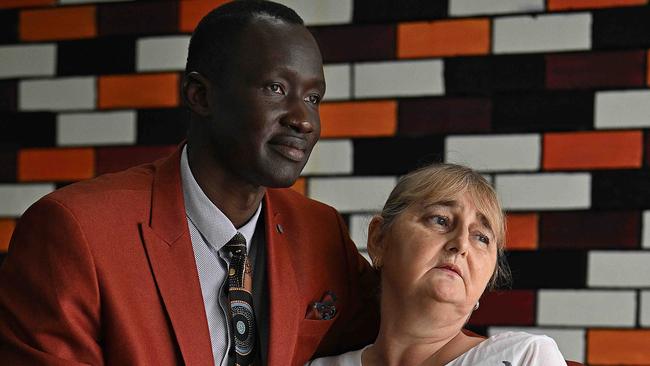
(237, 199)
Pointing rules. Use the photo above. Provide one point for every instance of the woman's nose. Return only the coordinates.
(458, 242)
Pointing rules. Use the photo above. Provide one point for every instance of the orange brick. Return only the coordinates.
(139, 91)
(6, 229)
(618, 347)
(522, 231)
(359, 119)
(59, 23)
(593, 150)
(591, 4)
(190, 12)
(5, 4)
(300, 186)
(443, 38)
(56, 164)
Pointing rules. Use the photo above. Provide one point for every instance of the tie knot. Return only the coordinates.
(237, 245)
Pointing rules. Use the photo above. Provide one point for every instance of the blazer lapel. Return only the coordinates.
(169, 248)
(285, 309)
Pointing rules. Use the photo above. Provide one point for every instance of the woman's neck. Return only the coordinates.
(414, 336)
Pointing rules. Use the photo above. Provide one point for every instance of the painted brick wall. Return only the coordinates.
(549, 98)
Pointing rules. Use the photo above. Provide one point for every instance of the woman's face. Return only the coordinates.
(444, 252)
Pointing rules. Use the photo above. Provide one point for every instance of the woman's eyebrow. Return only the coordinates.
(484, 221)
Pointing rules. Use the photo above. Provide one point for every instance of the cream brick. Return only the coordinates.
(571, 342)
(398, 78)
(622, 109)
(16, 198)
(473, 7)
(330, 157)
(27, 60)
(619, 269)
(337, 77)
(167, 53)
(359, 229)
(495, 152)
(645, 309)
(75, 93)
(103, 128)
(318, 12)
(589, 308)
(352, 194)
(560, 32)
(556, 191)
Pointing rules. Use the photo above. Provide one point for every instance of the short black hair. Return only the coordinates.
(215, 38)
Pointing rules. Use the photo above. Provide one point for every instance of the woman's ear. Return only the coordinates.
(196, 91)
(375, 242)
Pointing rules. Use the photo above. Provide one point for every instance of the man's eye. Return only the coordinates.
(313, 99)
(276, 88)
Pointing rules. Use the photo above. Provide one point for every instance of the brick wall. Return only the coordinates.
(549, 98)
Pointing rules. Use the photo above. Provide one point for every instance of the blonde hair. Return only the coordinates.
(445, 182)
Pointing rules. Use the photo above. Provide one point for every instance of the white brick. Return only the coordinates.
(337, 78)
(645, 309)
(399, 78)
(645, 236)
(542, 33)
(571, 342)
(544, 191)
(495, 152)
(74, 129)
(330, 157)
(57, 94)
(162, 53)
(27, 60)
(316, 12)
(353, 194)
(474, 7)
(622, 109)
(16, 198)
(619, 269)
(90, 1)
(586, 308)
(359, 230)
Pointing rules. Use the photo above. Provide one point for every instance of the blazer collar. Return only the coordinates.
(169, 248)
(285, 312)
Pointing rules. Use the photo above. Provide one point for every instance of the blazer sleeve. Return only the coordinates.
(49, 294)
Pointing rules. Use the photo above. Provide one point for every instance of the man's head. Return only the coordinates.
(254, 81)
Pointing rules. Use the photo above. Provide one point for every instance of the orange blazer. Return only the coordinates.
(103, 272)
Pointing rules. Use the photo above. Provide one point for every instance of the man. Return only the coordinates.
(137, 267)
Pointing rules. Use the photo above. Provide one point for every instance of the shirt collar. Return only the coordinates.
(213, 224)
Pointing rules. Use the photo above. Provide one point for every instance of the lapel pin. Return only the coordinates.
(279, 228)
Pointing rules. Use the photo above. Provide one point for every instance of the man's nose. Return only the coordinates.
(298, 116)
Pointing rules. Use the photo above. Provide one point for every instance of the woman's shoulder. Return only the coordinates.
(352, 358)
(513, 348)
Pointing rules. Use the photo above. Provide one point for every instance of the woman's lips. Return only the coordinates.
(451, 268)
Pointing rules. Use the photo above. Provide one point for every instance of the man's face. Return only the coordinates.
(266, 118)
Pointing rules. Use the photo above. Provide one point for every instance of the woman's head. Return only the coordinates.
(441, 219)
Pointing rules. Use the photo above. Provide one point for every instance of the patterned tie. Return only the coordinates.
(242, 317)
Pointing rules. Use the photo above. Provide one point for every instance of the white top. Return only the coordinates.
(210, 230)
(504, 349)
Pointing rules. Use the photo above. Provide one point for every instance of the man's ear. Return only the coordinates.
(376, 245)
(196, 91)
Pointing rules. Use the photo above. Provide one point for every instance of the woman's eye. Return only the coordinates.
(483, 238)
(313, 99)
(276, 88)
(440, 220)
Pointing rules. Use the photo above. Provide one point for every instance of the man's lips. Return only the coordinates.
(451, 268)
(291, 147)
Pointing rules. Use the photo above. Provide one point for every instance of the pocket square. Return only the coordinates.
(324, 309)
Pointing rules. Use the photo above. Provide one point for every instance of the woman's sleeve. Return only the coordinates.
(544, 352)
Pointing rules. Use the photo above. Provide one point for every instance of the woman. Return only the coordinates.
(438, 244)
